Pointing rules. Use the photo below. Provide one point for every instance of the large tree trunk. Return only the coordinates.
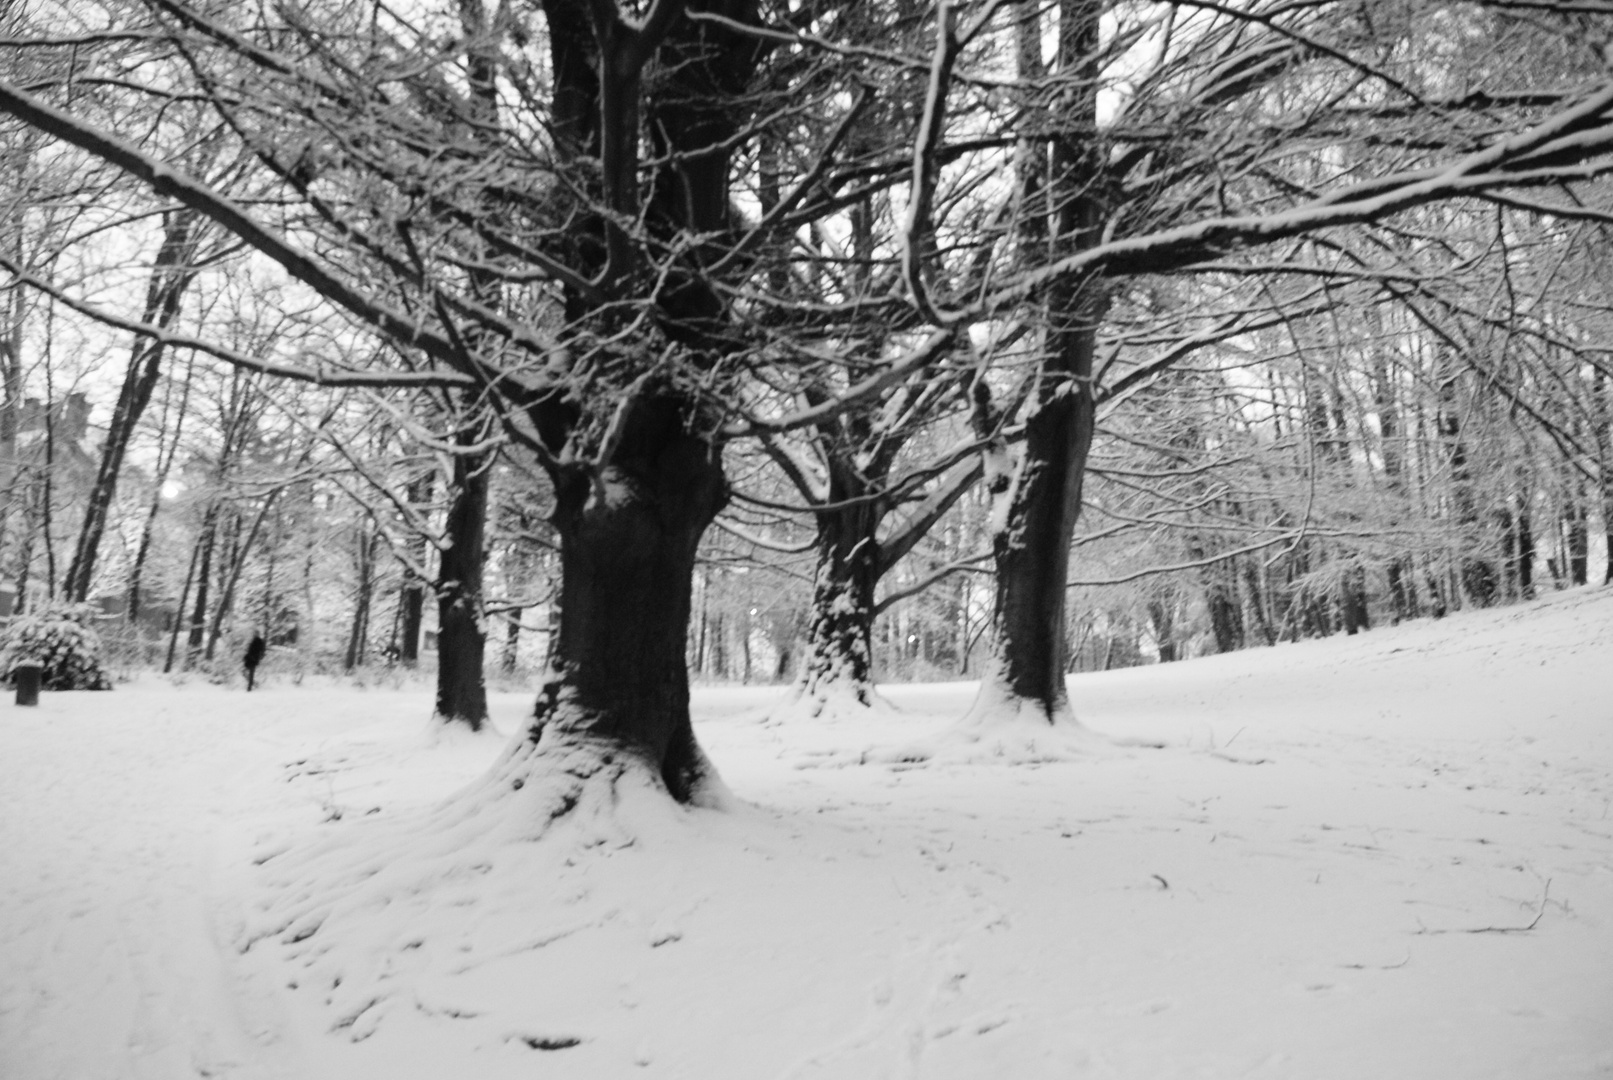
(631, 515)
(461, 626)
(1031, 553)
(838, 664)
(1031, 541)
(618, 681)
(850, 514)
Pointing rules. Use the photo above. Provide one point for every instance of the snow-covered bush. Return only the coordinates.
(61, 641)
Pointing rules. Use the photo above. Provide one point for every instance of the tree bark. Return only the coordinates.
(1031, 545)
(167, 451)
(237, 564)
(1392, 447)
(179, 612)
(1353, 600)
(630, 516)
(204, 569)
(11, 403)
(1520, 549)
(170, 276)
(227, 568)
(519, 568)
(364, 560)
(1257, 602)
(512, 640)
(628, 541)
(461, 620)
(1162, 614)
(1031, 554)
(1576, 525)
(850, 512)
(839, 649)
(1478, 576)
(1602, 392)
(1220, 581)
(1226, 619)
(412, 600)
(25, 554)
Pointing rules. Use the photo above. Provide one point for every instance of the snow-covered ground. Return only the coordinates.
(1383, 856)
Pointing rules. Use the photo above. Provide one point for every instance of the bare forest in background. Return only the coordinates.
(796, 341)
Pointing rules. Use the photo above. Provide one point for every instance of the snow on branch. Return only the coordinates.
(916, 219)
(1229, 326)
(316, 374)
(934, 347)
(1192, 564)
(180, 186)
(940, 573)
(814, 176)
(906, 536)
(762, 542)
(799, 468)
(1577, 143)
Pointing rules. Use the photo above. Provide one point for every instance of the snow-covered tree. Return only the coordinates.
(609, 225)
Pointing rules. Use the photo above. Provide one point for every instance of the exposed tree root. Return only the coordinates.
(826, 700)
(443, 730)
(1002, 729)
(363, 904)
(1011, 734)
(1540, 911)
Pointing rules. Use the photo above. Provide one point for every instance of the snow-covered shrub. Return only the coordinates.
(61, 641)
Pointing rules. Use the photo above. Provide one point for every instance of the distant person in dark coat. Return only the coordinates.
(254, 657)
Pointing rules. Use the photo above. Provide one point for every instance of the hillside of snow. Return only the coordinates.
(1382, 856)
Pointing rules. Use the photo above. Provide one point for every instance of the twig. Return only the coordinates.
(1545, 894)
(1379, 967)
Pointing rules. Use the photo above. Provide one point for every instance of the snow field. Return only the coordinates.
(1388, 855)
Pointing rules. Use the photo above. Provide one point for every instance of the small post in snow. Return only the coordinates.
(27, 678)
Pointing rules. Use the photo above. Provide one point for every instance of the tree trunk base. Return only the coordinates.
(443, 730)
(829, 700)
(356, 910)
(563, 790)
(1004, 728)
(566, 777)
